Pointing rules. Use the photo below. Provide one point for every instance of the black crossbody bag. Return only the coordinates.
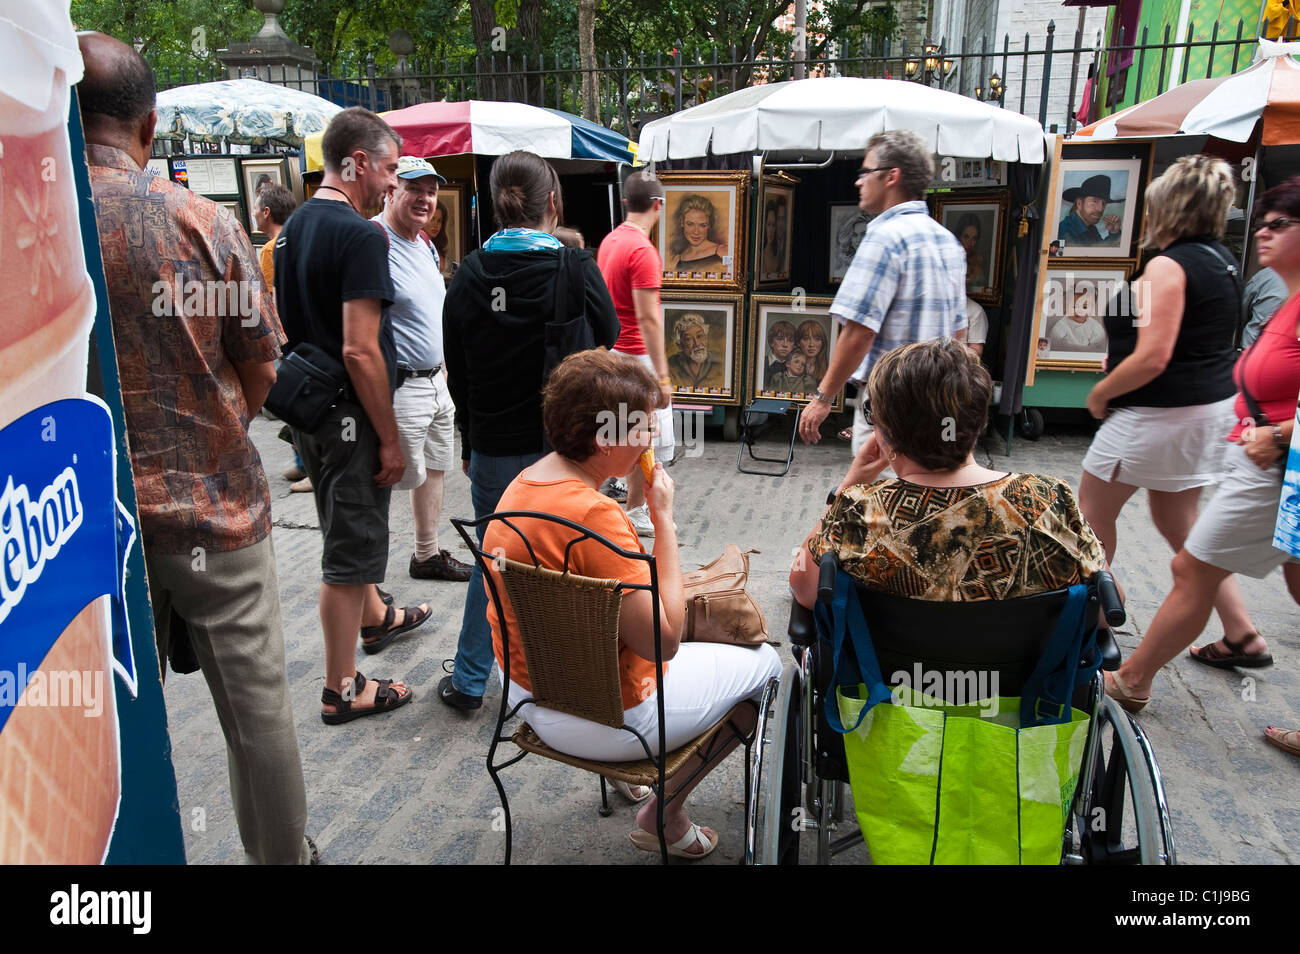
(309, 382)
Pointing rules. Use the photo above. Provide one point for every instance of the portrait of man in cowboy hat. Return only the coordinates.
(1086, 223)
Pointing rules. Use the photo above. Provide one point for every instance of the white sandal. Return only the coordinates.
(677, 849)
(635, 794)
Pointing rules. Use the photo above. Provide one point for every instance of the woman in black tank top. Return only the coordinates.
(1167, 400)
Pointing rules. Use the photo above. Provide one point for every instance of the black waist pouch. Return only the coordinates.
(310, 381)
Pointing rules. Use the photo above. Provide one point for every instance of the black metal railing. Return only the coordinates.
(627, 93)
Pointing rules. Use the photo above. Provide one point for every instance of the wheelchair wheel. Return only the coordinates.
(1125, 776)
(775, 816)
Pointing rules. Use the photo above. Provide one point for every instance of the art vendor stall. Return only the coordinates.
(762, 220)
(462, 139)
(1251, 118)
(269, 120)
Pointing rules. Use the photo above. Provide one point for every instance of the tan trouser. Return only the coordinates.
(232, 605)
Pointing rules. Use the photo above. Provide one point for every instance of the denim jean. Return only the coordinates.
(488, 479)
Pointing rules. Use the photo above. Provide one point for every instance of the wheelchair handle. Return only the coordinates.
(1112, 607)
(830, 566)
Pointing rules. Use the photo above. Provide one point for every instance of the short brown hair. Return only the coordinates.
(277, 200)
(585, 390)
(1190, 199)
(640, 189)
(520, 183)
(931, 400)
(355, 128)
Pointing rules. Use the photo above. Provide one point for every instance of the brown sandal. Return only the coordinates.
(1277, 737)
(386, 699)
(1236, 655)
(1121, 694)
(375, 638)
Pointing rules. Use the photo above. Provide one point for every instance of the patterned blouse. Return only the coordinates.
(1016, 536)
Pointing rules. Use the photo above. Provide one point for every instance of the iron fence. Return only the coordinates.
(626, 93)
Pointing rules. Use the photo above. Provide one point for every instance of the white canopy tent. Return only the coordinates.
(841, 113)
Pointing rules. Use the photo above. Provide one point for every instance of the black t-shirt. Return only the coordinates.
(1200, 369)
(328, 254)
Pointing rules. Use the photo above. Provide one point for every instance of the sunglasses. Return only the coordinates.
(1278, 224)
(865, 171)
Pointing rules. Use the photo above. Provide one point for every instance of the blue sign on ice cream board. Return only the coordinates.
(82, 719)
(1286, 535)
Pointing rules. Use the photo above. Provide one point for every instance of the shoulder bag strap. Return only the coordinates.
(855, 659)
(1252, 406)
(561, 288)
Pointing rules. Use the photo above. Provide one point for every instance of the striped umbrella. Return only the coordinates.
(493, 129)
(1226, 107)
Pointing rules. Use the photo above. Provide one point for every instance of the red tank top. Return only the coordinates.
(1270, 369)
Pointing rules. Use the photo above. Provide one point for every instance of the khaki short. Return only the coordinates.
(426, 426)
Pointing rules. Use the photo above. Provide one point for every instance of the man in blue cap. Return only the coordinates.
(423, 407)
(1089, 201)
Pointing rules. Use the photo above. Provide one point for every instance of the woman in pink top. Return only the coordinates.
(1234, 533)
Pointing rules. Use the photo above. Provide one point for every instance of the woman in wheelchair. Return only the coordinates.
(597, 408)
(945, 528)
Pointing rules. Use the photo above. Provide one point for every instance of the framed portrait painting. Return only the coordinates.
(980, 223)
(848, 223)
(256, 174)
(701, 231)
(1070, 331)
(1096, 206)
(774, 233)
(702, 341)
(446, 228)
(792, 341)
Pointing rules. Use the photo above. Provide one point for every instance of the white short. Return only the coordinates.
(426, 426)
(1235, 529)
(665, 443)
(1162, 448)
(701, 685)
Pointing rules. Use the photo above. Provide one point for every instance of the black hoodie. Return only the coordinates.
(493, 338)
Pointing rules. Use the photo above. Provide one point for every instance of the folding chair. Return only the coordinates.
(766, 406)
(568, 625)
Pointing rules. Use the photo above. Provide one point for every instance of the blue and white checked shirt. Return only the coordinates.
(907, 282)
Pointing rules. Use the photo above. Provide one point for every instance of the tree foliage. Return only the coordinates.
(178, 34)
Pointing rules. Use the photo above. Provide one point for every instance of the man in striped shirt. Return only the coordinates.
(907, 281)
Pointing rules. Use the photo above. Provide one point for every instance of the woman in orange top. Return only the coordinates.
(583, 396)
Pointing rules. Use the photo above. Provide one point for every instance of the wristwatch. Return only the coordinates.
(823, 398)
(1278, 439)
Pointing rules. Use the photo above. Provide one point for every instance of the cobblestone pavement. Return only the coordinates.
(411, 787)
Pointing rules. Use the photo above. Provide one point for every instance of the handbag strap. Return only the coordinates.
(1071, 657)
(854, 653)
(569, 277)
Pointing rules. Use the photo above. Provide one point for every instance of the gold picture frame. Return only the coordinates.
(775, 320)
(701, 230)
(716, 380)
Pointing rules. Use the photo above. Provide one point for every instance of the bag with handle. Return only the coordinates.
(308, 383)
(718, 608)
(988, 782)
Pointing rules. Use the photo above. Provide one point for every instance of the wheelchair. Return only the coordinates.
(799, 772)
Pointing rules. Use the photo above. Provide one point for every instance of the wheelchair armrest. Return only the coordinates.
(829, 566)
(803, 625)
(1112, 607)
(1110, 657)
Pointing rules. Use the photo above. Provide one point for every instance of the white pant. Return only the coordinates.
(665, 443)
(703, 682)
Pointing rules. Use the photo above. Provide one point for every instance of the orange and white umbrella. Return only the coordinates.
(1226, 107)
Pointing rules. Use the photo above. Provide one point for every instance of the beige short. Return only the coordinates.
(1235, 529)
(426, 426)
(1162, 448)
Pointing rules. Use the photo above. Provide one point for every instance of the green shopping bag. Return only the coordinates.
(982, 783)
(941, 784)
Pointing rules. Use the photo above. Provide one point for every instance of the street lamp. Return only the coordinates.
(930, 66)
(994, 92)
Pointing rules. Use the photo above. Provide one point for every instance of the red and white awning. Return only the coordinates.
(1226, 107)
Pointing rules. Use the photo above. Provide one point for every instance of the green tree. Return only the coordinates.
(176, 35)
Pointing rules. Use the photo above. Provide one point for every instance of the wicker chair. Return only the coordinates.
(568, 625)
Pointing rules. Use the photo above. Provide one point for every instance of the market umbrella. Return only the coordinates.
(841, 113)
(243, 111)
(1226, 107)
(492, 129)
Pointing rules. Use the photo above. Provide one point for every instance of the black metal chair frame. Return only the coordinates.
(506, 712)
(766, 406)
(1101, 784)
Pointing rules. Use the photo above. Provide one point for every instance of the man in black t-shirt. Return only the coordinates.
(333, 289)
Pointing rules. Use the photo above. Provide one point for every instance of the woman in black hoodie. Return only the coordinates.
(493, 323)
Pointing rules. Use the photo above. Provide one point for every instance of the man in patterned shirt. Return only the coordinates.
(197, 337)
(907, 281)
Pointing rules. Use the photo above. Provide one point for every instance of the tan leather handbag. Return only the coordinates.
(718, 610)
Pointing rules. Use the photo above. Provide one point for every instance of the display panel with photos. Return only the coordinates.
(1095, 208)
(792, 340)
(446, 228)
(702, 341)
(979, 221)
(701, 230)
(774, 234)
(848, 225)
(1070, 332)
(258, 173)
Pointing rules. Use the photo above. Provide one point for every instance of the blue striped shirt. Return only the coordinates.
(907, 282)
